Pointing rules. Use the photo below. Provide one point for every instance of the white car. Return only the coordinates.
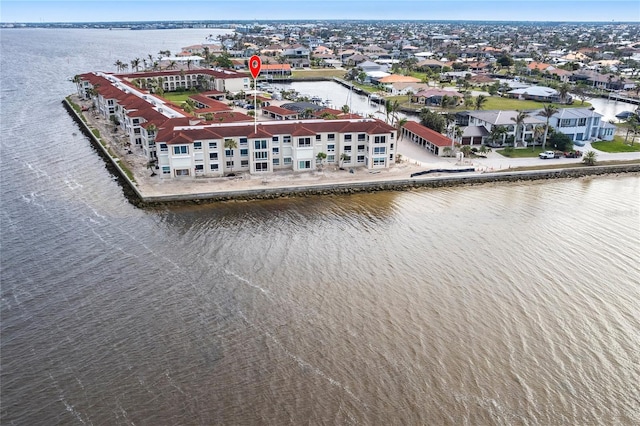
(547, 154)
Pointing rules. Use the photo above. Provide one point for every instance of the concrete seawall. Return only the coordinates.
(138, 197)
(112, 162)
(390, 185)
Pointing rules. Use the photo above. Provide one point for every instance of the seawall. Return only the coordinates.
(389, 185)
(111, 161)
(138, 198)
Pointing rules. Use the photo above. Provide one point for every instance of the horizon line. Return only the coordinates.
(313, 20)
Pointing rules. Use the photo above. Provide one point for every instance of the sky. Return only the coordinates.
(14, 11)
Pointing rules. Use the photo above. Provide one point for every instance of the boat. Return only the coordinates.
(625, 115)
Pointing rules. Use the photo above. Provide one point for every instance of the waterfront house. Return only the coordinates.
(582, 124)
(487, 120)
(433, 97)
(538, 93)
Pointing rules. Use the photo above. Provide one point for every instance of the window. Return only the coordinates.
(197, 145)
(275, 139)
(582, 122)
(304, 164)
(213, 156)
(244, 163)
(331, 148)
(362, 137)
(331, 158)
(331, 136)
(391, 147)
(243, 141)
(380, 139)
(287, 161)
(360, 148)
(379, 150)
(275, 151)
(276, 161)
(244, 152)
(180, 149)
(214, 167)
(379, 161)
(166, 170)
(213, 145)
(347, 148)
(304, 142)
(182, 172)
(260, 144)
(229, 164)
(318, 137)
(360, 158)
(347, 137)
(199, 167)
(262, 167)
(286, 139)
(228, 153)
(260, 155)
(565, 122)
(163, 147)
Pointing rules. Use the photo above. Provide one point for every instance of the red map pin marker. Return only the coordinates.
(254, 65)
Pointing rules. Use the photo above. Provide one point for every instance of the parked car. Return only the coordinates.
(547, 154)
(573, 154)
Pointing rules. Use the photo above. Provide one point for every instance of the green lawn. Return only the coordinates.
(493, 103)
(520, 152)
(316, 73)
(177, 98)
(617, 145)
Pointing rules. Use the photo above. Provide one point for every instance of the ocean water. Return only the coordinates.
(515, 304)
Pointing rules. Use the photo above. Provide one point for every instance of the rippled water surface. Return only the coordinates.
(509, 305)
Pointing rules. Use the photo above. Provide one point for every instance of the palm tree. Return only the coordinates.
(466, 150)
(519, 120)
(400, 123)
(135, 64)
(345, 109)
(498, 133)
(189, 106)
(320, 158)
(538, 131)
(563, 90)
(391, 109)
(118, 65)
(632, 127)
(344, 157)
(230, 144)
(590, 158)
(548, 111)
(480, 101)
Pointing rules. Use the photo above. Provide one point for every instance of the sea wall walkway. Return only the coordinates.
(144, 190)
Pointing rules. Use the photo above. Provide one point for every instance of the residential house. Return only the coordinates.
(582, 124)
(493, 118)
(297, 55)
(433, 97)
(538, 93)
(387, 82)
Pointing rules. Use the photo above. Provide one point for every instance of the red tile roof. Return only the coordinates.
(428, 134)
